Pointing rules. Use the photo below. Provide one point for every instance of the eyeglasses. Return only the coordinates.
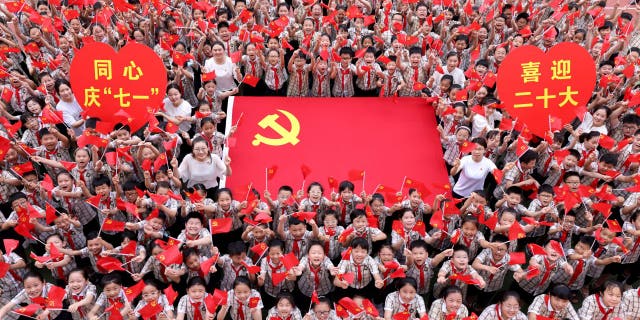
(511, 307)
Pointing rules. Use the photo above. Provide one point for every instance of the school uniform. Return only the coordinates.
(83, 311)
(120, 302)
(363, 272)
(162, 300)
(541, 306)
(332, 247)
(192, 309)
(422, 274)
(241, 310)
(631, 299)
(576, 280)
(267, 269)
(315, 278)
(23, 298)
(593, 308)
(396, 305)
(438, 311)
(451, 270)
(493, 312)
(494, 282)
(297, 246)
(540, 283)
(231, 271)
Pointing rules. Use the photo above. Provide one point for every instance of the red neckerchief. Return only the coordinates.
(494, 264)
(576, 272)
(316, 271)
(455, 271)
(78, 298)
(547, 271)
(498, 313)
(552, 313)
(604, 310)
(236, 270)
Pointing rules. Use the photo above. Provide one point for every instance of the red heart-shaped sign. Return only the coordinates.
(119, 87)
(536, 86)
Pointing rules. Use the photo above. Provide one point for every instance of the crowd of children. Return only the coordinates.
(99, 222)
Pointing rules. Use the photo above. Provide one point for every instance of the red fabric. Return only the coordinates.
(360, 116)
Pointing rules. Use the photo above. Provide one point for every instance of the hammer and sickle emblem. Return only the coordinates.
(286, 136)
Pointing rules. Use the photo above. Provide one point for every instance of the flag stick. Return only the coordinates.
(266, 178)
(248, 191)
(20, 314)
(239, 118)
(364, 177)
(403, 181)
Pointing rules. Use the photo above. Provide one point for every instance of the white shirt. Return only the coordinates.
(184, 109)
(204, 172)
(472, 175)
(71, 112)
(457, 74)
(224, 73)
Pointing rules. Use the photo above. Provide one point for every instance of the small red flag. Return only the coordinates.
(170, 294)
(251, 80)
(113, 225)
(348, 277)
(305, 171)
(10, 245)
(220, 225)
(614, 226)
(259, 249)
(516, 232)
(517, 258)
(277, 278)
(536, 249)
(205, 266)
(29, 310)
(290, 260)
(134, 291)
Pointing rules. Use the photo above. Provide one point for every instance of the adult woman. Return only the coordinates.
(200, 166)
(71, 110)
(176, 109)
(507, 309)
(473, 170)
(224, 68)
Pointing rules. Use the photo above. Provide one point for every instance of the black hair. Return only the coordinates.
(111, 278)
(360, 243)
(450, 290)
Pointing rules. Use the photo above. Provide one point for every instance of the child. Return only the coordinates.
(493, 264)
(580, 257)
(470, 237)
(69, 229)
(227, 207)
(71, 197)
(508, 308)
(542, 209)
(563, 231)
(11, 282)
(449, 306)
(315, 271)
(557, 170)
(195, 236)
(362, 230)
(215, 140)
(299, 70)
(519, 175)
(112, 298)
(391, 81)
(284, 205)
(285, 309)
(35, 290)
(234, 264)
(53, 146)
(631, 232)
(151, 294)
(160, 271)
(315, 201)
(94, 249)
(297, 237)
(554, 305)
(192, 305)
(379, 210)
(458, 266)
(363, 267)
(330, 233)
(347, 201)
(605, 253)
(607, 304)
(242, 302)
(420, 266)
(59, 265)
(367, 71)
(552, 261)
(404, 233)
(322, 310)
(254, 235)
(452, 143)
(512, 199)
(415, 203)
(80, 294)
(275, 73)
(405, 299)
(270, 266)
(343, 77)
(135, 254)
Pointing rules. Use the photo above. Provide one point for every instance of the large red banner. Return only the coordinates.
(388, 139)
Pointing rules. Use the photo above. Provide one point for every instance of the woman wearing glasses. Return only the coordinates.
(201, 166)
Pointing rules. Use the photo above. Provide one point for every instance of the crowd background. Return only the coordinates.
(101, 222)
